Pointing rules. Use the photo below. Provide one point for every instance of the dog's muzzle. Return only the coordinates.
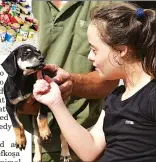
(37, 67)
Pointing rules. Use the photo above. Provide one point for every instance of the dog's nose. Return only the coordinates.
(41, 58)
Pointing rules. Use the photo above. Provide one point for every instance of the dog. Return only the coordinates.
(21, 66)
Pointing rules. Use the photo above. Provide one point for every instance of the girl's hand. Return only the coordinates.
(46, 91)
(62, 78)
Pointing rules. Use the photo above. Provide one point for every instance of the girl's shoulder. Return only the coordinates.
(149, 99)
(153, 88)
(148, 90)
(146, 101)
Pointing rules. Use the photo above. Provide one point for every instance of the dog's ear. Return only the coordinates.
(9, 64)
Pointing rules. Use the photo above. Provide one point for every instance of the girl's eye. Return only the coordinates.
(94, 51)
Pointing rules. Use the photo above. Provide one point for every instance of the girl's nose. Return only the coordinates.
(91, 56)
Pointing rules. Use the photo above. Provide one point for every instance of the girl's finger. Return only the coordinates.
(41, 89)
(48, 79)
(41, 84)
(39, 74)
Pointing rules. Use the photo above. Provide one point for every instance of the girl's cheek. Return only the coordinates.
(97, 62)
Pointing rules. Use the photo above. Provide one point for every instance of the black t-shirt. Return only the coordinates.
(130, 126)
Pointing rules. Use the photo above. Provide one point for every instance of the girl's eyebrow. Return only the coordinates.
(92, 45)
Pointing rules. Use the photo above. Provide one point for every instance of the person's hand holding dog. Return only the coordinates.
(62, 78)
(47, 90)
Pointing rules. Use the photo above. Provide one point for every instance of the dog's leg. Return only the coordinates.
(65, 154)
(17, 126)
(42, 121)
(37, 141)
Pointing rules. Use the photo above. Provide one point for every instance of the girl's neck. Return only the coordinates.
(134, 79)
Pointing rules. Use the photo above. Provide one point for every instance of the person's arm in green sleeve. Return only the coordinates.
(91, 85)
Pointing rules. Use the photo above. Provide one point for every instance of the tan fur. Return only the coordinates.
(44, 130)
(31, 107)
(20, 136)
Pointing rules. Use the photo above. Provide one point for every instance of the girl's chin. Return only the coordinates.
(97, 70)
(100, 73)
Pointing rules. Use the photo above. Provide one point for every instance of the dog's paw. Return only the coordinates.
(44, 130)
(37, 161)
(37, 158)
(66, 158)
(46, 134)
(20, 137)
(21, 143)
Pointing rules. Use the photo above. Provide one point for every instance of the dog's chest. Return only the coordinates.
(19, 89)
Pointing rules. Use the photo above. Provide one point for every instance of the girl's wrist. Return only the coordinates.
(56, 104)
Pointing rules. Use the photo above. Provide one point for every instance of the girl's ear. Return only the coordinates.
(123, 50)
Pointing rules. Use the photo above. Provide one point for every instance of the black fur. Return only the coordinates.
(18, 84)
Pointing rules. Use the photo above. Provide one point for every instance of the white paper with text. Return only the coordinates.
(8, 151)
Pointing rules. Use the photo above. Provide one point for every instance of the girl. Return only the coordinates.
(123, 46)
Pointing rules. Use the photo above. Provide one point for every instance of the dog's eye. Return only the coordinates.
(26, 53)
(38, 51)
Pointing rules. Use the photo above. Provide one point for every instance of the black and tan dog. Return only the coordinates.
(21, 66)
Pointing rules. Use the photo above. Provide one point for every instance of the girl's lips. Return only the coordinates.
(96, 69)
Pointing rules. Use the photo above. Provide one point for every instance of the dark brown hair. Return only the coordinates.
(118, 24)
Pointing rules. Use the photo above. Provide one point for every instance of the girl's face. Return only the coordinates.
(104, 58)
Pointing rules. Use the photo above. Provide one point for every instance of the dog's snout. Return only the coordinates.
(41, 58)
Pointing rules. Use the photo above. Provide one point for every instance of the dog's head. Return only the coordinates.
(25, 57)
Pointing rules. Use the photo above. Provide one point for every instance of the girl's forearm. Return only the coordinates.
(79, 139)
